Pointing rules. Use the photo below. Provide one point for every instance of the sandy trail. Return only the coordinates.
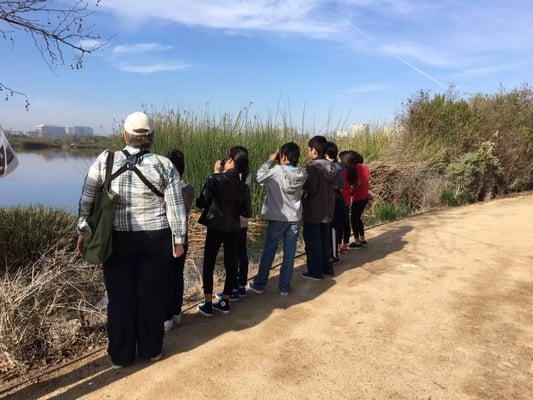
(440, 306)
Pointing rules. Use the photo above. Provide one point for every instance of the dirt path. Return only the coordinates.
(439, 306)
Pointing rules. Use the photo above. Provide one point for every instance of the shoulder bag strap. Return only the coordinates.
(147, 182)
(109, 169)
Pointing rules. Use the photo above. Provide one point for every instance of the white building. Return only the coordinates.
(53, 131)
(79, 130)
(355, 129)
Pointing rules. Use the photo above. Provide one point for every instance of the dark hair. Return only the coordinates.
(318, 143)
(358, 158)
(332, 150)
(292, 151)
(239, 155)
(316, 140)
(178, 159)
(348, 161)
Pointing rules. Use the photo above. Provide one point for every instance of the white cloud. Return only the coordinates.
(427, 55)
(369, 88)
(431, 38)
(91, 44)
(285, 16)
(140, 48)
(153, 68)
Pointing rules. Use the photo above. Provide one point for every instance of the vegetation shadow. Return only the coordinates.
(197, 330)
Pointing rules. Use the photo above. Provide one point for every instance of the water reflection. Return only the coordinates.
(52, 154)
(50, 177)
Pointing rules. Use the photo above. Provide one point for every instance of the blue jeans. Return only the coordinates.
(276, 231)
(317, 239)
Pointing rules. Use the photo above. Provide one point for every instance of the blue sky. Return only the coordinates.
(339, 60)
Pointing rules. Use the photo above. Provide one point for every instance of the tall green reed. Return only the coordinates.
(205, 138)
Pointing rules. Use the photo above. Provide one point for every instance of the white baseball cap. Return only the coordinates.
(138, 124)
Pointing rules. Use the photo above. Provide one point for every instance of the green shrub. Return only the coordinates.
(475, 175)
(27, 232)
(448, 198)
(388, 212)
(443, 127)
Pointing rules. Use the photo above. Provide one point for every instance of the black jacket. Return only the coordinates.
(224, 198)
(319, 192)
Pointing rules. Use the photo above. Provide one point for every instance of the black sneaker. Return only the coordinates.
(222, 306)
(356, 246)
(234, 296)
(242, 291)
(334, 260)
(329, 272)
(307, 275)
(364, 243)
(206, 309)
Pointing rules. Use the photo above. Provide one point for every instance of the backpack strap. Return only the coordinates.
(131, 165)
(108, 169)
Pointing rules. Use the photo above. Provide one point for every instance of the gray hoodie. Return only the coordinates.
(284, 184)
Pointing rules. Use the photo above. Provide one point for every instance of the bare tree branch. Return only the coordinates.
(53, 29)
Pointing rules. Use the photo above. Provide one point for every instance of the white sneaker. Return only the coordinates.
(284, 293)
(116, 366)
(157, 358)
(168, 325)
(177, 319)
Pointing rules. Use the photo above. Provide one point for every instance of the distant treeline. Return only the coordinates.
(29, 143)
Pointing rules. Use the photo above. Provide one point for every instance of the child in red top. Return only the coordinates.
(359, 201)
(349, 174)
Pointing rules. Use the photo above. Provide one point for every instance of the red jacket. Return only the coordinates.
(346, 190)
(360, 192)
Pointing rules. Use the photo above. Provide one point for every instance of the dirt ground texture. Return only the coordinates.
(440, 306)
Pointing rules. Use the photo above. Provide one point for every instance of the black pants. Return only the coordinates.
(243, 258)
(338, 223)
(135, 277)
(174, 298)
(213, 240)
(318, 248)
(357, 223)
(346, 231)
(335, 236)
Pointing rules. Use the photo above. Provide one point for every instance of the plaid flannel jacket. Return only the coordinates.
(139, 209)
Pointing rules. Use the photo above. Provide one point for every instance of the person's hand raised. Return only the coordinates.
(218, 166)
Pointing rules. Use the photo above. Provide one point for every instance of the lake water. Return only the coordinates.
(51, 178)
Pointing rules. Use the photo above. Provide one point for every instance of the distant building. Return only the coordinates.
(359, 128)
(79, 130)
(53, 131)
(354, 129)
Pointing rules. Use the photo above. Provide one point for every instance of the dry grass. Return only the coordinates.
(49, 311)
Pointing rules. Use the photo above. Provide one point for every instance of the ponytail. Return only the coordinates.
(239, 155)
(352, 174)
(348, 160)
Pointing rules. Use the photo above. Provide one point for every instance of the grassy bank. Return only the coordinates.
(205, 138)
